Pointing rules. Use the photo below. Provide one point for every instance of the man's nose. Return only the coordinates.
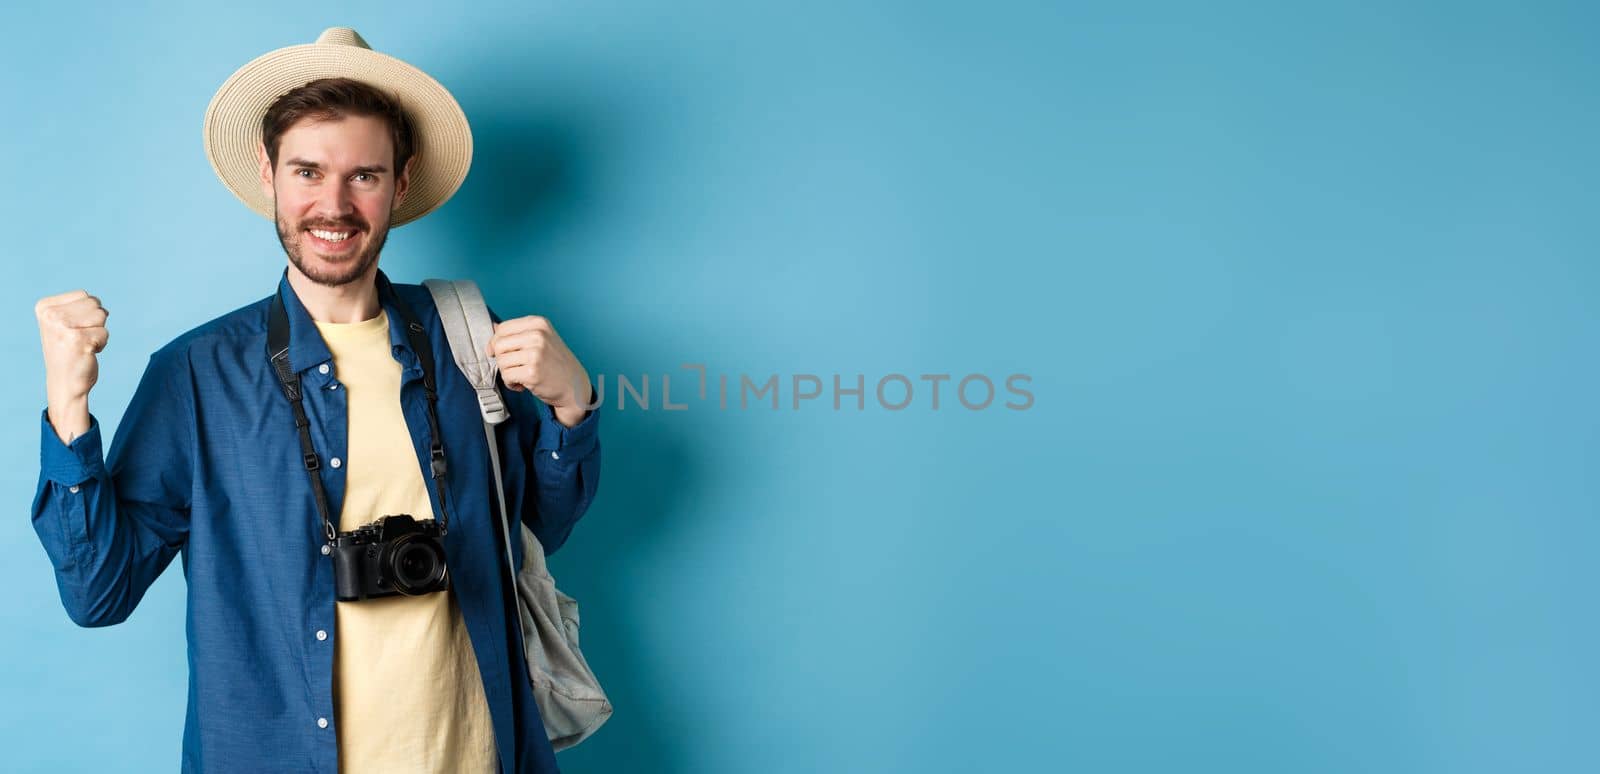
(336, 202)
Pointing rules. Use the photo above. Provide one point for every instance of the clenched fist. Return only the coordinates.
(531, 356)
(72, 330)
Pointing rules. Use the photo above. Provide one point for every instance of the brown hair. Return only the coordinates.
(330, 99)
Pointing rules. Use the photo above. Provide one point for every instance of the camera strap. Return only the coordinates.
(289, 381)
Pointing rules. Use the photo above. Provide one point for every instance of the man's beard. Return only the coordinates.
(347, 271)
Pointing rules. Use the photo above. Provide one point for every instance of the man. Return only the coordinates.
(208, 460)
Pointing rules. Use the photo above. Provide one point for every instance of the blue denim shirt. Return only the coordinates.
(206, 462)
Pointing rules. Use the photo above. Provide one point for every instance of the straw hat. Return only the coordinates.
(233, 120)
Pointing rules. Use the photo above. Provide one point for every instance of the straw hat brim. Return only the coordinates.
(443, 139)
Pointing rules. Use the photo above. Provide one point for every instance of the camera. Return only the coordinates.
(394, 554)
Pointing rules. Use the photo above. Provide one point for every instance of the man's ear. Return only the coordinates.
(403, 184)
(265, 167)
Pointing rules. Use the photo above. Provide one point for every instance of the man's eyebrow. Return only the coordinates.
(370, 169)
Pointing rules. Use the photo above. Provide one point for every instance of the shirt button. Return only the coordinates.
(335, 462)
(321, 635)
(322, 722)
(322, 369)
(555, 455)
(333, 386)
(73, 489)
(326, 549)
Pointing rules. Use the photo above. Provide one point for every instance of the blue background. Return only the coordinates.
(1305, 293)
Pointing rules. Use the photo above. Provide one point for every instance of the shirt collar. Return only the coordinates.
(306, 347)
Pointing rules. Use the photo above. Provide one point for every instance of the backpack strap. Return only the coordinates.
(468, 327)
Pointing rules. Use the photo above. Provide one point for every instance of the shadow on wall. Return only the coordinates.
(529, 184)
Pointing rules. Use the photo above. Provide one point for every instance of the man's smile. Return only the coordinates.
(332, 241)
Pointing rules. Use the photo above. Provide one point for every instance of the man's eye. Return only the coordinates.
(365, 175)
(302, 169)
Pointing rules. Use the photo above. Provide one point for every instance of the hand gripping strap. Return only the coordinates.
(468, 327)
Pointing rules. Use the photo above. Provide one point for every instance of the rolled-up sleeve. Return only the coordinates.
(111, 525)
(69, 463)
(564, 462)
(566, 470)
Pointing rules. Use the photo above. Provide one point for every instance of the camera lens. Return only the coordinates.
(415, 564)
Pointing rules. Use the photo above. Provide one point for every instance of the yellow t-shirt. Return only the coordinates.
(408, 696)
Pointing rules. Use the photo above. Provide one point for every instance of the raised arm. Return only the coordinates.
(109, 531)
(564, 461)
(566, 470)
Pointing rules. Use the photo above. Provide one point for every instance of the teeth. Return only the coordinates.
(331, 236)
